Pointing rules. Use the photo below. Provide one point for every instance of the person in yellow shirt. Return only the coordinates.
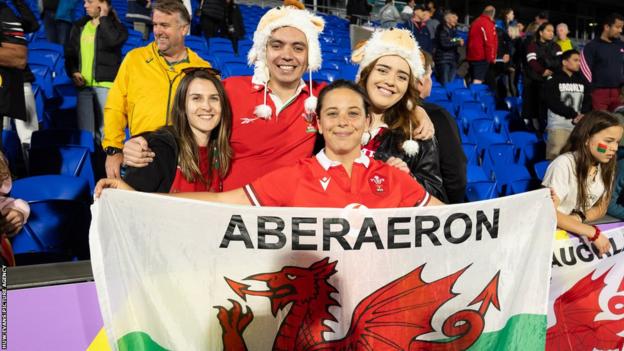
(562, 34)
(141, 96)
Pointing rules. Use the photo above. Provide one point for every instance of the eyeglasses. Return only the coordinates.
(209, 70)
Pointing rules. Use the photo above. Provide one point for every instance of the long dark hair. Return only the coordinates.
(219, 150)
(398, 116)
(540, 29)
(592, 123)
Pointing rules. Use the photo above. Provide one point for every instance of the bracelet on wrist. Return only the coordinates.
(597, 233)
(580, 215)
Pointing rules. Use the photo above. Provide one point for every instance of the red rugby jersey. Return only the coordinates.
(259, 145)
(320, 182)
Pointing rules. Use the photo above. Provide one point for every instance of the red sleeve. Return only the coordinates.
(275, 188)
(491, 42)
(412, 193)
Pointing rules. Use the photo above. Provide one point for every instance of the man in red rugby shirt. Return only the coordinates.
(338, 176)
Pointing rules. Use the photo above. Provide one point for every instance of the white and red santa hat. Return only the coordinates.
(392, 42)
(285, 16)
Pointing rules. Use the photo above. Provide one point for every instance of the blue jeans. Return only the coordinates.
(90, 110)
(446, 72)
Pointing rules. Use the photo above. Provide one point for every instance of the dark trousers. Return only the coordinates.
(212, 27)
(445, 72)
(533, 108)
(56, 31)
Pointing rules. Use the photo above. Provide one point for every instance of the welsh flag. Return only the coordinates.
(586, 309)
(176, 274)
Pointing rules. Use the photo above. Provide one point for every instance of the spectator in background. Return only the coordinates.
(92, 59)
(452, 158)
(408, 11)
(141, 95)
(581, 178)
(13, 56)
(194, 153)
(390, 63)
(567, 98)
(482, 44)
(13, 213)
(57, 19)
(540, 18)
(389, 16)
(602, 63)
(432, 25)
(418, 26)
(446, 55)
(139, 14)
(436, 12)
(30, 124)
(222, 17)
(517, 57)
(562, 37)
(542, 60)
(499, 73)
(358, 9)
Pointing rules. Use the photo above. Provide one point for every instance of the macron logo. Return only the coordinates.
(325, 183)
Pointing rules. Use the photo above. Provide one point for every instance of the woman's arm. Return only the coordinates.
(599, 210)
(572, 223)
(234, 197)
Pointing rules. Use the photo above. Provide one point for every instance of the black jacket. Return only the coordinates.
(425, 166)
(546, 57)
(451, 154)
(446, 46)
(159, 174)
(214, 9)
(30, 25)
(567, 96)
(110, 36)
(359, 8)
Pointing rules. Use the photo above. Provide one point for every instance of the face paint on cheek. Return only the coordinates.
(602, 148)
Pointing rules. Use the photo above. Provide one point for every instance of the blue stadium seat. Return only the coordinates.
(506, 175)
(63, 137)
(66, 90)
(11, 147)
(43, 77)
(439, 92)
(470, 150)
(457, 83)
(476, 174)
(482, 190)
(483, 133)
(477, 88)
(540, 169)
(232, 69)
(58, 227)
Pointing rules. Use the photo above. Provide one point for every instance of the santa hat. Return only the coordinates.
(285, 16)
(399, 42)
(294, 3)
(395, 42)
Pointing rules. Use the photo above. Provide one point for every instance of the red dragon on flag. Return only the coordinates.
(390, 318)
(576, 311)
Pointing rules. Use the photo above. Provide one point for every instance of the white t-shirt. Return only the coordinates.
(561, 176)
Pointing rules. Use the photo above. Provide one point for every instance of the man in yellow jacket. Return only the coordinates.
(143, 90)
